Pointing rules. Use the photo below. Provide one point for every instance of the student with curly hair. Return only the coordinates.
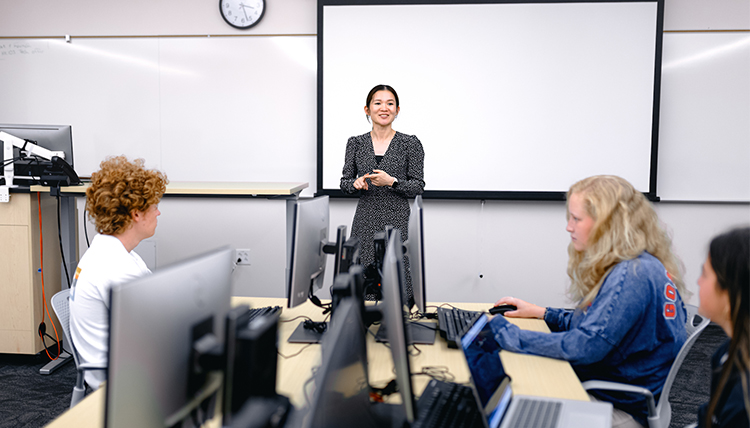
(725, 298)
(123, 203)
(629, 323)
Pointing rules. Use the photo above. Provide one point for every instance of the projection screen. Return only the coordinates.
(510, 100)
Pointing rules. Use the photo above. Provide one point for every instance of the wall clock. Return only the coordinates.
(242, 14)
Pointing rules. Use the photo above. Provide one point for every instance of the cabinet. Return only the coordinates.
(21, 255)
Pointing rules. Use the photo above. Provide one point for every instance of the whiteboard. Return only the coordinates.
(504, 97)
(704, 150)
(198, 108)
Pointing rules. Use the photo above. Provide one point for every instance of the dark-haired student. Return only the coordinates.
(724, 294)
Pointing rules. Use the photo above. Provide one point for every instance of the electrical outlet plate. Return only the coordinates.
(242, 256)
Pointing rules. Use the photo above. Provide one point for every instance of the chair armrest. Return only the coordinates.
(691, 425)
(614, 386)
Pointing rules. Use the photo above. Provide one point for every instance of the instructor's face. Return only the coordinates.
(382, 109)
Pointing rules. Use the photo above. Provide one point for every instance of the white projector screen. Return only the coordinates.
(510, 100)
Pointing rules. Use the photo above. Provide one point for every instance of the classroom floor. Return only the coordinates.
(28, 399)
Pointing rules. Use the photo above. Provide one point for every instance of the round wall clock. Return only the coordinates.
(242, 14)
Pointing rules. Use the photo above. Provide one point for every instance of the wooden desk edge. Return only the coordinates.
(208, 188)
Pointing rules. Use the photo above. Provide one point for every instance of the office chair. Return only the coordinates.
(60, 304)
(660, 414)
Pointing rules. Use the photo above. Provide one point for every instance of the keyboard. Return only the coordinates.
(265, 310)
(444, 404)
(453, 323)
(536, 413)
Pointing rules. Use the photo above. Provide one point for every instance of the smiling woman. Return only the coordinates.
(387, 168)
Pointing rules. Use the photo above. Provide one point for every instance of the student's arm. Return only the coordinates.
(612, 314)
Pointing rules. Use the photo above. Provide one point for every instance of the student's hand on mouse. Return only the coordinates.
(361, 183)
(525, 309)
(378, 177)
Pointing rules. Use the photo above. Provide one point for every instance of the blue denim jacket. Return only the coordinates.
(630, 333)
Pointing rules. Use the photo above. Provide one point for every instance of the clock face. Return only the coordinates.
(242, 13)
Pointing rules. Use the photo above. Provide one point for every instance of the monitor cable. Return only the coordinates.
(85, 229)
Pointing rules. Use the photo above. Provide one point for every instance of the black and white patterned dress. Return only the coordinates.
(381, 206)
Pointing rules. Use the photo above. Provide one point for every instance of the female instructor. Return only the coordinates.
(388, 168)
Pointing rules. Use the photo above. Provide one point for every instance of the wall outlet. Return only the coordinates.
(242, 256)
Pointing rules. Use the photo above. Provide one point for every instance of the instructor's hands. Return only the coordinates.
(377, 177)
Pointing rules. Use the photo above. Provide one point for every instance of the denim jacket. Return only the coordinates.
(630, 333)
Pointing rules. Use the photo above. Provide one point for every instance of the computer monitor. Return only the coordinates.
(153, 327)
(418, 332)
(307, 250)
(415, 253)
(340, 394)
(394, 307)
(56, 138)
(307, 235)
(251, 359)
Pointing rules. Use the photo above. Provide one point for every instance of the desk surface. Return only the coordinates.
(531, 375)
(208, 188)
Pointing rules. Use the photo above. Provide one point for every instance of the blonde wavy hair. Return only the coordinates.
(118, 189)
(625, 225)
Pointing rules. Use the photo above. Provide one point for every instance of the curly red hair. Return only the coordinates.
(118, 189)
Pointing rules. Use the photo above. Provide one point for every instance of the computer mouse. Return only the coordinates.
(502, 309)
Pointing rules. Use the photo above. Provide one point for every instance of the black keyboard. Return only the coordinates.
(444, 404)
(453, 323)
(265, 310)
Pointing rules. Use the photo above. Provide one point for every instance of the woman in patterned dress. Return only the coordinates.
(387, 168)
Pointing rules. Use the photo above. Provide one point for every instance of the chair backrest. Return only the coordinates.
(61, 306)
(694, 326)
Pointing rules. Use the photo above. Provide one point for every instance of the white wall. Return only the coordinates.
(519, 247)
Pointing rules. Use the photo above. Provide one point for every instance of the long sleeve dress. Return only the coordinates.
(381, 206)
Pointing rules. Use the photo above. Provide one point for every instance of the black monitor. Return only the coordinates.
(394, 307)
(307, 250)
(250, 360)
(341, 390)
(415, 252)
(56, 138)
(418, 332)
(155, 322)
(307, 235)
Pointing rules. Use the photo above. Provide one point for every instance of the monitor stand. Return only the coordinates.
(303, 334)
(419, 333)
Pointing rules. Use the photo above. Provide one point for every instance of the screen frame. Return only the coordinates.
(181, 296)
(650, 193)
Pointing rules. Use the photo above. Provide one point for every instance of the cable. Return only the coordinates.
(85, 229)
(44, 295)
(286, 357)
(441, 373)
(59, 237)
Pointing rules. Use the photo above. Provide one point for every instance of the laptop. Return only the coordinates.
(501, 409)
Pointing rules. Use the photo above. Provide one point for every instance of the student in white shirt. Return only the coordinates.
(123, 203)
